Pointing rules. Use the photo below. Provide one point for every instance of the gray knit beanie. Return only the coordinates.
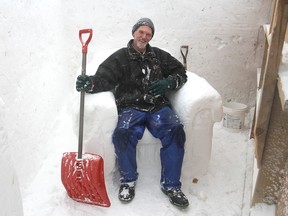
(143, 21)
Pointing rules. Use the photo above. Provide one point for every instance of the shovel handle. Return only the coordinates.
(82, 97)
(184, 55)
(85, 44)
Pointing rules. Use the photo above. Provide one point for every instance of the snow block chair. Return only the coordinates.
(198, 105)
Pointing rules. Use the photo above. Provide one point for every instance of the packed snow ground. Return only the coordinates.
(224, 191)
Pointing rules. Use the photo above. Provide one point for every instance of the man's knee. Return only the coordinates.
(178, 135)
(123, 137)
(120, 138)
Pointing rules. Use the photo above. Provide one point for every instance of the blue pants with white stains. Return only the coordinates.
(163, 124)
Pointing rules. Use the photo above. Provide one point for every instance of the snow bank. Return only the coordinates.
(11, 203)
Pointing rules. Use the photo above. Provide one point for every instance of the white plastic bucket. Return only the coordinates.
(234, 115)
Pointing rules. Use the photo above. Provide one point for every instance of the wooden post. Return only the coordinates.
(269, 76)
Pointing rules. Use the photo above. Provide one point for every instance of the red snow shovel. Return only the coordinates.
(83, 174)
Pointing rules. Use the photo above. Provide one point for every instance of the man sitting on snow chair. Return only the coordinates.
(139, 76)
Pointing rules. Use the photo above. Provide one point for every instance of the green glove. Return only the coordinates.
(84, 82)
(160, 87)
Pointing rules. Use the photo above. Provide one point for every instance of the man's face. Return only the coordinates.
(142, 36)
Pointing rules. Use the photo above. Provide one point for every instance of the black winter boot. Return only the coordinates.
(126, 192)
(177, 197)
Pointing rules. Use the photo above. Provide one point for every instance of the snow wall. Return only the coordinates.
(41, 55)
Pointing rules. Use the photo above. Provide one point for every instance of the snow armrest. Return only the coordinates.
(196, 95)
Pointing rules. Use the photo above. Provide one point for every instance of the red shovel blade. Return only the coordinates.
(83, 178)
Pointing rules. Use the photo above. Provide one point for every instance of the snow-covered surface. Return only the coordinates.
(225, 190)
(10, 198)
(40, 54)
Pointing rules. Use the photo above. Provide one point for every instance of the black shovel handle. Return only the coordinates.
(184, 55)
(82, 98)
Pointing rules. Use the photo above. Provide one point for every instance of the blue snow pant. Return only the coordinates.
(163, 124)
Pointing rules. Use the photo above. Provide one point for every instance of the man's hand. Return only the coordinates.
(84, 82)
(160, 87)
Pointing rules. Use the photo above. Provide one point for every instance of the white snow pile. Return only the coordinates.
(224, 190)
